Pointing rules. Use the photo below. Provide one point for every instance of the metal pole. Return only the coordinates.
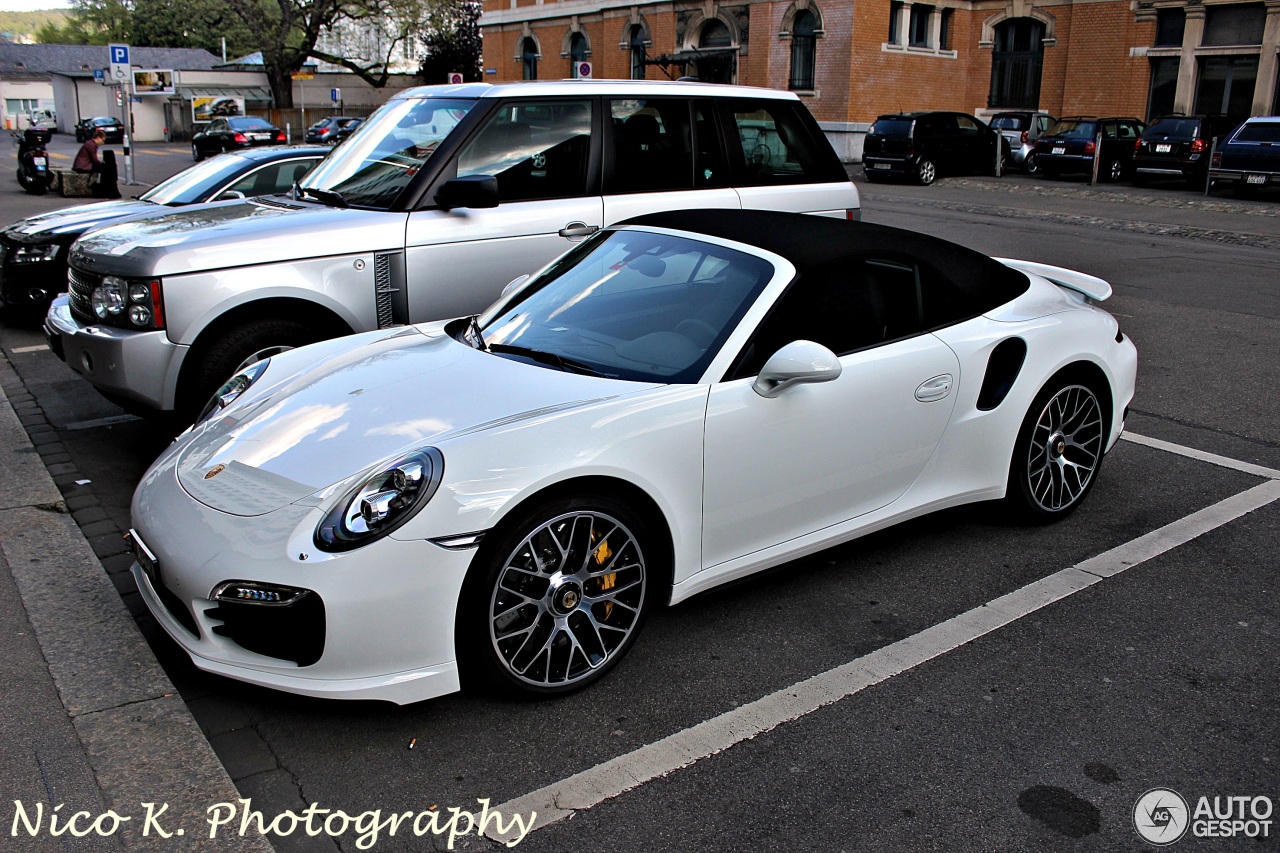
(1097, 158)
(1208, 180)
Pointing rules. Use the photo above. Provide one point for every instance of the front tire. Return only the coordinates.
(926, 172)
(557, 597)
(239, 348)
(195, 153)
(1058, 452)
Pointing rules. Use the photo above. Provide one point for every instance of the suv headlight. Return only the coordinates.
(383, 502)
(131, 303)
(33, 253)
(232, 389)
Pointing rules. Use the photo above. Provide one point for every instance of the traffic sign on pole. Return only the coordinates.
(121, 70)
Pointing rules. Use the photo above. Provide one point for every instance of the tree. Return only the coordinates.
(451, 38)
(91, 22)
(190, 23)
(366, 41)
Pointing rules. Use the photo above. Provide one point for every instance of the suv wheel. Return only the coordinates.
(238, 348)
(926, 172)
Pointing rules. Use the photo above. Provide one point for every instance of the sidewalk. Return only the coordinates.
(89, 719)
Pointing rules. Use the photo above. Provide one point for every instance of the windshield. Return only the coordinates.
(1187, 127)
(371, 169)
(249, 123)
(892, 127)
(1070, 129)
(1010, 122)
(191, 185)
(1259, 131)
(632, 305)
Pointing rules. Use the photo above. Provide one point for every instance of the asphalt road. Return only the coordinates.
(1040, 735)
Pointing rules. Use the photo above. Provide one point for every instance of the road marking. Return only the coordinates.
(36, 348)
(589, 788)
(101, 422)
(1203, 456)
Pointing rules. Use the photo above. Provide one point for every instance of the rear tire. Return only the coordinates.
(1058, 453)
(926, 172)
(1112, 171)
(1031, 165)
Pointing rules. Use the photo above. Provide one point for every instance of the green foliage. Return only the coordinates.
(91, 22)
(191, 23)
(451, 38)
(17, 25)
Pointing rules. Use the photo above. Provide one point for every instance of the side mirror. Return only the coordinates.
(797, 362)
(226, 194)
(514, 284)
(475, 191)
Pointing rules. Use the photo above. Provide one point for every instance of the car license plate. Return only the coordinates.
(146, 560)
(879, 165)
(1255, 179)
(1163, 149)
(39, 161)
(259, 136)
(1060, 149)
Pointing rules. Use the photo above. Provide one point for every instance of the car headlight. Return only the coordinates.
(383, 502)
(131, 303)
(33, 253)
(232, 389)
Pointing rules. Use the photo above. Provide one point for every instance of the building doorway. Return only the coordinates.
(1016, 61)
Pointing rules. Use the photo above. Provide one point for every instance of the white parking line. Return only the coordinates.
(1203, 456)
(591, 787)
(36, 348)
(101, 422)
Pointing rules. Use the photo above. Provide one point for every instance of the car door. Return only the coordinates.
(974, 142)
(662, 154)
(820, 454)
(212, 142)
(542, 154)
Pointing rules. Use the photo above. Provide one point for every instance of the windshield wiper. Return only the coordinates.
(472, 334)
(330, 197)
(549, 358)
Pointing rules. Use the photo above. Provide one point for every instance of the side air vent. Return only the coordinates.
(388, 289)
(1002, 369)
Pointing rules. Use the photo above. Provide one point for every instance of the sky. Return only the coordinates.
(29, 5)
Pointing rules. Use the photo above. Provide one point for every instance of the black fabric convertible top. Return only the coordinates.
(809, 242)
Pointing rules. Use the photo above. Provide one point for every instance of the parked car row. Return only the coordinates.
(922, 145)
(495, 485)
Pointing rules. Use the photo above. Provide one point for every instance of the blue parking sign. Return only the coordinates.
(119, 54)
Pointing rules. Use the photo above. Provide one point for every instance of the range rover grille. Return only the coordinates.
(80, 287)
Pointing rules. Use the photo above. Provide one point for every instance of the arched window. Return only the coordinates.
(718, 67)
(803, 49)
(636, 43)
(578, 51)
(1016, 59)
(529, 59)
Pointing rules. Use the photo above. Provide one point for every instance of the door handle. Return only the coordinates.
(578, 230)
(935, 389)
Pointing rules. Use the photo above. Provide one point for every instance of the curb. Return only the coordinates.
(137, 733)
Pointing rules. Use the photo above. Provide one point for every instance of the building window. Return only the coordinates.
(1164, 82)
(1016, 60)
(718, 67)
(636, 45)
(1236, 24)
(895, 15)
(529, 59)
(1226, 85)
(578, 51)
(1169, 26)
(919, 31)
(803, 50)
(944, 34)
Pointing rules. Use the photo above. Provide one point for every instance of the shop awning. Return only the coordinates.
(248, 93)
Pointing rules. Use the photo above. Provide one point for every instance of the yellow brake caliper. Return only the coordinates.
(607, 582)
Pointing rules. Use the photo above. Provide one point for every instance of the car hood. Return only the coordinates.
(236, 233)
(77, 220)
(361, 407)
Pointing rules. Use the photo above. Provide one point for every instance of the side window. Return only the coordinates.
(652, 148)
(1108, 130)
(774, 146)
(271, 179)
(968, 127)
(847, 305)
(1044, 122)
(536, 149)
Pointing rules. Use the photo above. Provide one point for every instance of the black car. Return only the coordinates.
(227, 134)
(924, 145)
(1178, 147)
(1250, 158)
(346, 130)
(112, 126)
(326, 130)
(1072, 144)
(33, 252)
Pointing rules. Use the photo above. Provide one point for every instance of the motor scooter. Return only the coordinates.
(34, 173)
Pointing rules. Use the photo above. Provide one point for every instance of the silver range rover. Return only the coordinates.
(442, 197)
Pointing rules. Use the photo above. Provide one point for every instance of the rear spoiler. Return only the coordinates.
(1094, 288)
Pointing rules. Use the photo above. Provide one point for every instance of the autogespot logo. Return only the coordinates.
(1160, 816)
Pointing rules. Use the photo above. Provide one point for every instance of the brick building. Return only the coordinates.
(851, 61)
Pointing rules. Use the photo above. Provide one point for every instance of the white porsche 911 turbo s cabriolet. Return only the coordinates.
(677, 402)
